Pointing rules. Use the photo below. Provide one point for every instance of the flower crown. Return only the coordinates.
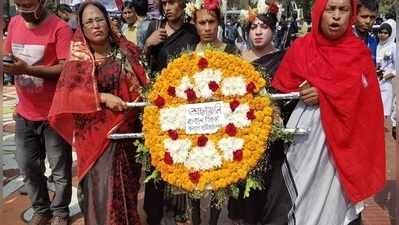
(195, 5)
(248, 16)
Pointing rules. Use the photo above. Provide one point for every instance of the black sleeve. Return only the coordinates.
(150, 30)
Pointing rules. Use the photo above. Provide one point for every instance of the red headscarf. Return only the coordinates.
(350, 102)
(76, 112)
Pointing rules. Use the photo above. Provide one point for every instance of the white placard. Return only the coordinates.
(204, 118)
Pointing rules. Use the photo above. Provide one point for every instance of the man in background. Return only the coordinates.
(38, 43)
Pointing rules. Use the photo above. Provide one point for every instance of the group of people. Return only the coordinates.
(73, 89)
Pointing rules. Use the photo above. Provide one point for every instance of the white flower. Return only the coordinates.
(234, 86)
(262, 7)
(244, 16)
(202, 79)
(229, 146)
(190, 9)
(178, 149)
(201, 54)
(172, 118)
(198, 4)
(238, 117)
(185, 84)
(204, 158)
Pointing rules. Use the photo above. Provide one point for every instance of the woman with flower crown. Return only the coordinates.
(206, 16)
(271, 205)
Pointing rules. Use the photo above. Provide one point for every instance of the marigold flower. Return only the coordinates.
(254, 136)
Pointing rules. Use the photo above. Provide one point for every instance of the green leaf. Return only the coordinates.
(252, 184)
(235, 191)
(278, 133)
(153, 176)
(142, 155)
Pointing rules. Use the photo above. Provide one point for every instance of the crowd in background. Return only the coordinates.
(109, 61)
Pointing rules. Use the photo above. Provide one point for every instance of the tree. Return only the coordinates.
(387, 6)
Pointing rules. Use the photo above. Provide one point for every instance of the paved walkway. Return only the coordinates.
(380, 210)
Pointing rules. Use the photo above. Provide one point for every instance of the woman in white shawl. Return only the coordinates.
(386, 59)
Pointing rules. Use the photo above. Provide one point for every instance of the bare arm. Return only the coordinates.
(46, 72)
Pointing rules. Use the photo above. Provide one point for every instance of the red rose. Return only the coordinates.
(202, 140)
(202, 63)
(173, 134)
(194, 177)
(168, 158)
(191, 96)
(251, 114)
(213, 86)
(211, 4)
(159, 102)
(251, 87)
(231, 130)
(273, 9)
(237, 155)
(172, 91)
(234, 104)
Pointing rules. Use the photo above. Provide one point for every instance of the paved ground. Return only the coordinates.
(380, 210)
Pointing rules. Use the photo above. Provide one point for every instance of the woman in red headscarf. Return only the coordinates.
(341, 161)
(101, 75)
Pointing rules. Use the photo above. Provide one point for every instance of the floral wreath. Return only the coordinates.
(214, 87)
(210, 5)
(248, 16)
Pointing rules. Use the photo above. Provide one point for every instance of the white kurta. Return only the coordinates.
(386, 58)
(311, 177)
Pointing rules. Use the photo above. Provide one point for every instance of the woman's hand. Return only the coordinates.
(113, 102)
(309, 94)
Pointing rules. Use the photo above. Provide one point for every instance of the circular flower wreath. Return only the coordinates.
(215, 160)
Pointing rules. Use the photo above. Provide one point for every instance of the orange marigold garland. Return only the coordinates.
(213, 155)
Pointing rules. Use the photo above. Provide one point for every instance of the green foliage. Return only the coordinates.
(155, 176)
(253, 183)
(235, 191)
(278, 133)
(142, 155)
(220, 197)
